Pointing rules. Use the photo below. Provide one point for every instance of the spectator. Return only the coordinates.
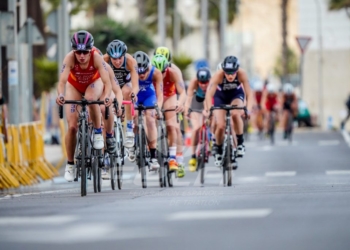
(3, 117)
(348, 115)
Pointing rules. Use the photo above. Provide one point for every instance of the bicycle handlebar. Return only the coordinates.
(82, 102)
(229, 108)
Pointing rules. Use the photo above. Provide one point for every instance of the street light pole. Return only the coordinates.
(13, 66)
(223, 23)
(161, 22)
(320, 63)
(205, 31)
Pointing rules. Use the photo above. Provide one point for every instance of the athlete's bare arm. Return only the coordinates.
(180, 87)
(131, 65)
(243, 78)
(214, 81)
(190, 91)
(158, 80)
(68, 64)
(115, 87)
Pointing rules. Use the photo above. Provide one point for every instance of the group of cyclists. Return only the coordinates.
(87, 72)
(268, 99)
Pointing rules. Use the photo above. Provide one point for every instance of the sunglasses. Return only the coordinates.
(79, 52)
(204, 82)
(142, 71)
(230, 73)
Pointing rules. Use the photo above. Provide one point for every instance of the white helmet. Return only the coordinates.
(288, 88)
(219, 67)
(258, 86)
(271, 88)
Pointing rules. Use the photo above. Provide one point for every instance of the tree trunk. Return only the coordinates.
(141, 9)
(101, 8)
(34, 11)
(285, 72)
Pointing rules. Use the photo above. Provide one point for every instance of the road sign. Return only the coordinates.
(303, 41)
(29, 33)
(7, 31)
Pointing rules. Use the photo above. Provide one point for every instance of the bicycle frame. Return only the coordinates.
(86, 150)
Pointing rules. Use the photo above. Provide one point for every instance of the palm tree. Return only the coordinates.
(98, 7)
(214, 14)
(340, 4)
(284, 8)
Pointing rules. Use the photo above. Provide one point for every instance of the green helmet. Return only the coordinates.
(160, 62)
(163, 51)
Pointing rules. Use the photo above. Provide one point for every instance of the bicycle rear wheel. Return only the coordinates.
(99, 169)
(272, 128)
(83, 142)
(121, 155)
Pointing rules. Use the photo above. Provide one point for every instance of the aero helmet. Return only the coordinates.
(142, 60)
(116, 49)
(203, 75)
(288, 88)
(82, 40)
(160, 62)
(271, 88)
(230, 64)
(163, 51)
(258, 86)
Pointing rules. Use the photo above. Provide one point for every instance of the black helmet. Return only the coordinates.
(116, 49)
(230, 64)
(82, 40)
(142, 60)
(203, 75)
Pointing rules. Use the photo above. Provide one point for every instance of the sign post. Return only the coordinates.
(303, 41)
(30, 34)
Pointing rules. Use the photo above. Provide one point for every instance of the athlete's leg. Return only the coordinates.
(170, 122)
(93, 93)
(72, 121)
(196, 118)
(129, 140)
(108, 126)
(151, 130)
(238, 124)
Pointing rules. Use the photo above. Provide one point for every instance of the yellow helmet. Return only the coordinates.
(163, 51)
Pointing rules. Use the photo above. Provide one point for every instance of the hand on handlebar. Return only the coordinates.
(60, 100)
(179, 108)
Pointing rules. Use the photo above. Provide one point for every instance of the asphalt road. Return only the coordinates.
(286, 196)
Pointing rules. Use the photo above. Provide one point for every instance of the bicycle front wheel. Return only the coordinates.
(201, 160)
(83, 142)
(142, 165)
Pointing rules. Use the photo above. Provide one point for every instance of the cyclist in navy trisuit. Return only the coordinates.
(229, 86)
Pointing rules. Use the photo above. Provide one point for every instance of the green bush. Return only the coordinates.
(45, 74)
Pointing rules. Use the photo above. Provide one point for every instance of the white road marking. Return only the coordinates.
(328, 143)
(219, 214)
(87, 232)
(346, 136)
(329, 183)
(39, 220)
(280, 174)
(338, 172)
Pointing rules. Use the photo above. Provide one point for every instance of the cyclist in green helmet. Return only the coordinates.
(179, 147)
(171, 84)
